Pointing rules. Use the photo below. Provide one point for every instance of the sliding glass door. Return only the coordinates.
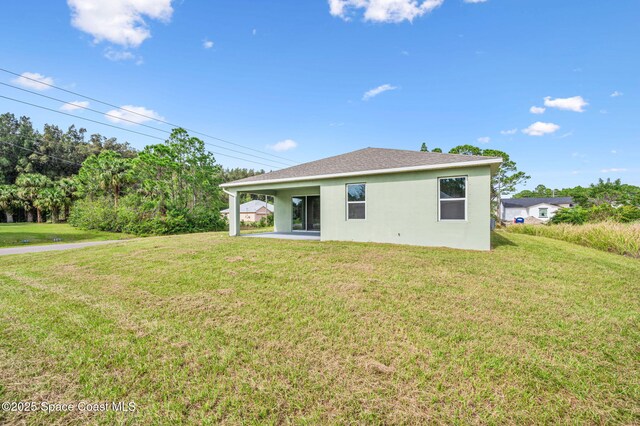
(313, 213)
(305, 213)
(298, 214)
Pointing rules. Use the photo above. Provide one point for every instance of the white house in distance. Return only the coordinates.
(253, 211)
(540, 209)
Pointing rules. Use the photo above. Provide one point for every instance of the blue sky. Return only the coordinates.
(295, 74)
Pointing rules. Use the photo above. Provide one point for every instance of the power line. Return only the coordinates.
(130, 121)
(40, 153)
(123, 129)
(146, 116)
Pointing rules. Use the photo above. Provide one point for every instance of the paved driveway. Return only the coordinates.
(53, 247)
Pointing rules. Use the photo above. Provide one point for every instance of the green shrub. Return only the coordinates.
(627, 214)
(600, 213)
(135, 217)
(576, 216)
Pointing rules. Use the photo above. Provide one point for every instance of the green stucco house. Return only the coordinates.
(380, 195)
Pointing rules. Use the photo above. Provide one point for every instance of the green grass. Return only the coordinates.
(621, 238)
(13, 234)
(205, 329)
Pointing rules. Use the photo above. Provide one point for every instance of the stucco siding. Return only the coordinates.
(401, 208)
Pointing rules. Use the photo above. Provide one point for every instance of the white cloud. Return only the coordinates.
(404, 52)
(118, 55)
(254, 32)
(377, 90)
(615, 94)
(509, 132)
(72, 106)
(576, 103)
(537, 110)
(475, 1)
(284, 145)
(383, 10)
(484, 139)
(207, 44)
(613, 170)
(120, 22)
(132, 114)
(613, 151)
(539, 129)
(33, 80)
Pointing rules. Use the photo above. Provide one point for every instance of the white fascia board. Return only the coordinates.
(487, 162)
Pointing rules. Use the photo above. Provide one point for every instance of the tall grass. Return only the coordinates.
(617, 238)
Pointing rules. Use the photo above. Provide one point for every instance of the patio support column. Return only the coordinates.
(234, 213)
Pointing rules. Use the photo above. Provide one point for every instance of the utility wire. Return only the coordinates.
(130, 121)
(40, 153)
(145, 116)
(126, 130)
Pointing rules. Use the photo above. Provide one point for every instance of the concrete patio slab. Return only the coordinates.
(309, 236)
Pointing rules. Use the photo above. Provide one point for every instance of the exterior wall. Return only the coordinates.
(510, 213)
(401, 208)
(251, 216)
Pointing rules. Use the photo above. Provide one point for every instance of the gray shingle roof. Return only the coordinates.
(528, 202)
(252, 207)
(368, 159)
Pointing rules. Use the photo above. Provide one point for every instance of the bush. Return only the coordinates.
(600, 213)
(133, 217)
(576, 216)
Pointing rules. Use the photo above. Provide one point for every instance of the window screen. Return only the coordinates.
(356, 200)
(453, 198)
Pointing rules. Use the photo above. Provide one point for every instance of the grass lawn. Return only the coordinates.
(12, 234)
(204, 328)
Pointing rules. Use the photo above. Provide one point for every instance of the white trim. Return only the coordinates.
(488, 161)
(347, 202)
(465, 199)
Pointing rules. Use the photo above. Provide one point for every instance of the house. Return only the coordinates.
(380, 195)
(252, 211)
(536, 209)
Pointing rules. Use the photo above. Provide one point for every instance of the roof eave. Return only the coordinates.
(493, 162)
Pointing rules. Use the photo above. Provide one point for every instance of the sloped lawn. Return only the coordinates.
(204, 329)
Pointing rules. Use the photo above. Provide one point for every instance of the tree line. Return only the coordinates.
(96, 182)
(603, 192)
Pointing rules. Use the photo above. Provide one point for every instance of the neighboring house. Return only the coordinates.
(380, 195)
(541, 209)
(252, 211)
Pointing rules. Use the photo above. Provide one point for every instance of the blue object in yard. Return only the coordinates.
(519, 220)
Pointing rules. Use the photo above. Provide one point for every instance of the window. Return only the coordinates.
(543, 212)
(453, 198)
(356, 201)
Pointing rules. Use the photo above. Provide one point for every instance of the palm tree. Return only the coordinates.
(29, 185)
(114, 174)
(8, 201)
(68, 186)
(52, 200)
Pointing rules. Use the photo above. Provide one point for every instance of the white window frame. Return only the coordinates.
(466, 196)
(546, 209)
(346, 198)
